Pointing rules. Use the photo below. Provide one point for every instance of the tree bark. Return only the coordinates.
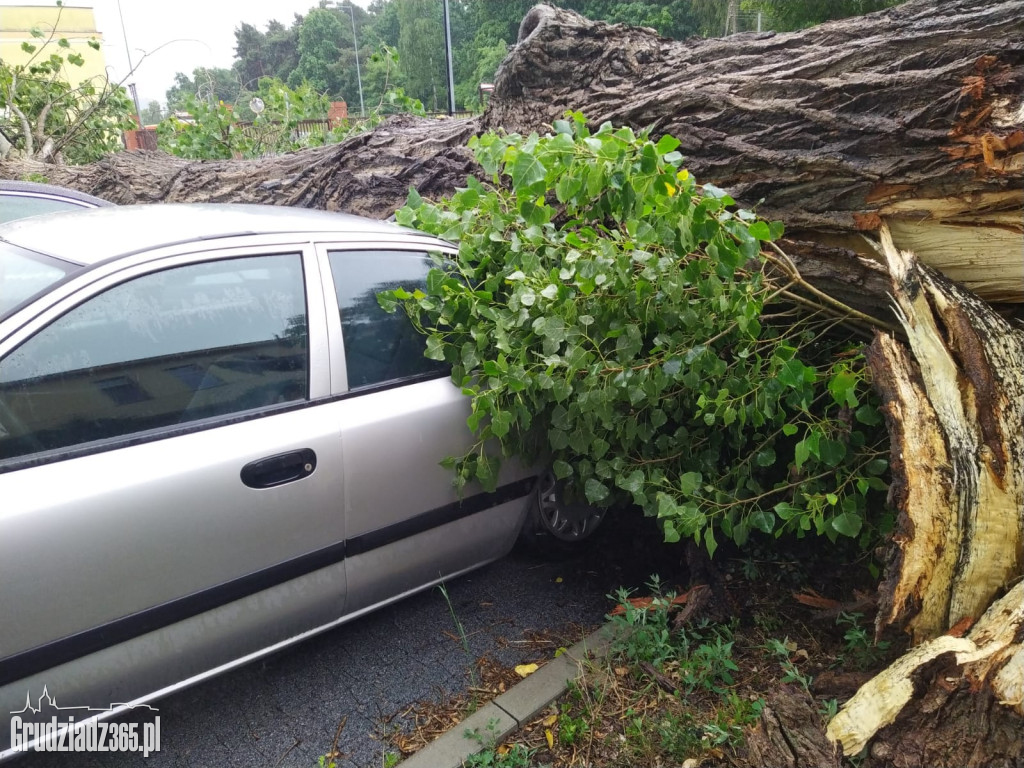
(912, 116)
(788, 734)
(954, 406)
(369, 175)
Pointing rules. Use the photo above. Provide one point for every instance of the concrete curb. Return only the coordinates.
(513, 709)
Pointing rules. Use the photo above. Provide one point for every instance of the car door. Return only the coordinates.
(406, 525)
(171, 493)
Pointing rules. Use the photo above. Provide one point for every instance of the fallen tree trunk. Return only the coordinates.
(911, 117)
(369, 175)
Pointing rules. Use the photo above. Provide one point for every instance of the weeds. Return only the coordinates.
(642, 631)
(783, 649)
(859, 650)
(494, 755)
(669, 692)
(670, 695)
(463, 639)
(829, 709)
(571, 729)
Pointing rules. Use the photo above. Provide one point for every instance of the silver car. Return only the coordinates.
(214, 443)
(19, 199)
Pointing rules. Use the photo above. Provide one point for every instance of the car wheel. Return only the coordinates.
(555, 525)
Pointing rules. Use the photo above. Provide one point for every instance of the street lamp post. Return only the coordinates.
(355, 45)
(448, 58)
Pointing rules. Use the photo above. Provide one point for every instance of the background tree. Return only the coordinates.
(273, 53)
(210, 84)
(321, 58)
(789, 15)
(152, 114)
(421, 51)
(382, 75)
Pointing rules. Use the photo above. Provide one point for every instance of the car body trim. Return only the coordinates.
(434, 518)
(42, 657)
(117, 710)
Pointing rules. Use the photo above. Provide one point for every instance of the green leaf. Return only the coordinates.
(801, 453)
(847, 524)
(709, 541)
(792, 374)
(501, 422)
(765, 457)
(869, 415)
(567, 188)
(558, 439)
(633, 482)
(763, 520)
(671, 533)
(562, 469)
(667, 506)
(876, 466)
(689, 482)
(667, 143)
(435, 348)
(760, 230)
(786, 511)
(832, 452)
(527, 170)
(595, 491)
(842, 386)
(470, 358)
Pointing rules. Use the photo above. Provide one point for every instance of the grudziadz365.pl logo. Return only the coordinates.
(44, 726)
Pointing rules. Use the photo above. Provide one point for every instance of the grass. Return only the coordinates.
(494, 754)
(687, 693)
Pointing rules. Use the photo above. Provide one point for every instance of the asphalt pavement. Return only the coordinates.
(285, 710)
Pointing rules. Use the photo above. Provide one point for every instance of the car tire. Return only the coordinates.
(554, 526)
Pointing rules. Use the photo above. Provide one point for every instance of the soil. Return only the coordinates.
(794, 619)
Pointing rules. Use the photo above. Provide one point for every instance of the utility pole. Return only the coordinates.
(448, 58)
(355, 46)
(131, 67)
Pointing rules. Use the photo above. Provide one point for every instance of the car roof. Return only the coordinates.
(121, 230)
(50, 190)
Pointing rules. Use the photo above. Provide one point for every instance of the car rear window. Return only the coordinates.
(21, 206)
(24, 274)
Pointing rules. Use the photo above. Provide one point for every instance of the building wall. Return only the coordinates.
(76, 24)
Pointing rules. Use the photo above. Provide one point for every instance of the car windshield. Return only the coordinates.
(24, 274)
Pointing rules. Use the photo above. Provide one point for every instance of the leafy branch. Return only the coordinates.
(607, 315)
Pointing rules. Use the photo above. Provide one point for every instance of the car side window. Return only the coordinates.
(166, 348)
(380, 347)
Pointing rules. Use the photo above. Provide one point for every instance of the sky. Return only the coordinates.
(192, 33)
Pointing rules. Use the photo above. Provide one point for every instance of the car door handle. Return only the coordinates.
(280, 469)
